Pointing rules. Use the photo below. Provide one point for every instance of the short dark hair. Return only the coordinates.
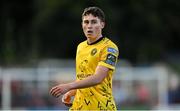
(95, 11)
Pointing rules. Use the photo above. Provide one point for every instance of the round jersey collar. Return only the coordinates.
(96, 41)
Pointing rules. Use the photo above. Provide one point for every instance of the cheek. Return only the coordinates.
(84, 28)
(97, 28)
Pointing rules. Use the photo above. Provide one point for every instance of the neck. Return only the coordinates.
(92, 40)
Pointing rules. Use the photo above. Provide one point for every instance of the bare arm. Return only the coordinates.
(97, 78)
(100, 73)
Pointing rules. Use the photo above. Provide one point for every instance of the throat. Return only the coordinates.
(94, 41)
(90, 41)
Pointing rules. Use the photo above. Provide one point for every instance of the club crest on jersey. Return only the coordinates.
(112, 50)
(93, 52)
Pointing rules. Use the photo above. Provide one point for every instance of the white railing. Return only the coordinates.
(122, 74)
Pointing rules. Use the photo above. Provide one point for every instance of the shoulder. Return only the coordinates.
(82, 43)
(109, 44)
(109, 54)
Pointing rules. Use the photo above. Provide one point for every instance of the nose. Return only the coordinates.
(89, 26)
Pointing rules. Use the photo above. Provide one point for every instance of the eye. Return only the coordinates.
(94, 21)
(86, 21)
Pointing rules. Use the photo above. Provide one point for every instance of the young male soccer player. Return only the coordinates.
(95, 63)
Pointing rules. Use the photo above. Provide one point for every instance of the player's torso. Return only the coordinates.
(86, 60)
(100, 96)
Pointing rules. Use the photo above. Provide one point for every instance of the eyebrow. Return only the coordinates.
(90, 20)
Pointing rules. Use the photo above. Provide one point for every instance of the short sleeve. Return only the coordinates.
(109, 57)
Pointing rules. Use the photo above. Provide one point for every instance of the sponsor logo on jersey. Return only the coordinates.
(112, 50)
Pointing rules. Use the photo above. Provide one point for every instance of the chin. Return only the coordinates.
(89, 37)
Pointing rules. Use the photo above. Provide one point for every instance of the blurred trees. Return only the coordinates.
(144, 30)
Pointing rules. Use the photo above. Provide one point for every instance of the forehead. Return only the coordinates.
(90, 17)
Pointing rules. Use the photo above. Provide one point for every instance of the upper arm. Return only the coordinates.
(108, 60)
(109, 57)
(101, 72)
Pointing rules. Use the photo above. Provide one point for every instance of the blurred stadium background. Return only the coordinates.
(38, 40)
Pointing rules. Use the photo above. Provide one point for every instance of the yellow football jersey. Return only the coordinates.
(105, 53)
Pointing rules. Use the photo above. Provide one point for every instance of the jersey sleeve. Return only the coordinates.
(109, 57)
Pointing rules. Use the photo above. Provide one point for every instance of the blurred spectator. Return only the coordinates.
(174, 90)
(142, 94)
(120, 93)
(17, 94)
(32, 98)
(35, 100)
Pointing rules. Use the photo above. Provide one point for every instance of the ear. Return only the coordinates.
(102, 25)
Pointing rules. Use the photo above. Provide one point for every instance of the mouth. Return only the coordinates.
(89, 32)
